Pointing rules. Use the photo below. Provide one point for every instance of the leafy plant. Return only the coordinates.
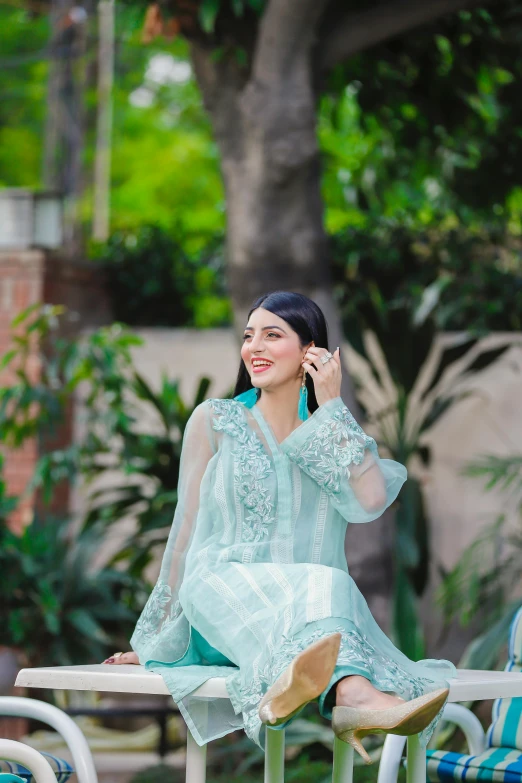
(155, 281)
(401, 407)
(486, 581)
(56, 606)
(116, 398)
(403, 283)
(7, 503)
(34, 404)
(150, 463)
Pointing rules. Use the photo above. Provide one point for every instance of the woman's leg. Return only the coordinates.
(356, 691)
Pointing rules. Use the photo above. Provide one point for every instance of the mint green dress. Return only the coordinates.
(255, 568)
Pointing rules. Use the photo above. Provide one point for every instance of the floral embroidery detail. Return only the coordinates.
(155, 619)
(333, 446)
(384, 673)
(251, 694)
(253, 464)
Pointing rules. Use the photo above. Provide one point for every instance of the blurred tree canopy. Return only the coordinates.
(423, 130)
(434, 124)
(23, 74)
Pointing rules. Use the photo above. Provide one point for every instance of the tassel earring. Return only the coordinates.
(248, 398)
(302, 408)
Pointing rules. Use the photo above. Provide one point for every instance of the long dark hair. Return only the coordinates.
(305, 318)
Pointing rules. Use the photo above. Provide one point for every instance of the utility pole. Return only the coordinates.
(102, 163)
(50, 175)
(64, 130)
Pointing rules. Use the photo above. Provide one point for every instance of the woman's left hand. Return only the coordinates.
(327, 376)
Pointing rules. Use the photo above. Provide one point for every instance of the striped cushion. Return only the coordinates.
(495, 764)
(506, 728)
(61, 769)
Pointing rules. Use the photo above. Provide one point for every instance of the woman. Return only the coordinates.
(254, 584)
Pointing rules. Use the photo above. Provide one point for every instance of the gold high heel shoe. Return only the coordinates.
(302, 681)
(351, 724)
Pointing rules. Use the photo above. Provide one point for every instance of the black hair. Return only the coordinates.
(305, 318)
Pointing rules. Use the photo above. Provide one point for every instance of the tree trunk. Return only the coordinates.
(266, 133)
(271, 170)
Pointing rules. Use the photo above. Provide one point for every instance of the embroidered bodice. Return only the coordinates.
(245, 499)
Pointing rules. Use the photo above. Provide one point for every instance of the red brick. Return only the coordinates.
(33, 276)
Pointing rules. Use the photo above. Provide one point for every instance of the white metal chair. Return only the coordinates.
(15, 706)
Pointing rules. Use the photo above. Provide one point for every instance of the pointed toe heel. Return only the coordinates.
(351, 725)
(302, 681)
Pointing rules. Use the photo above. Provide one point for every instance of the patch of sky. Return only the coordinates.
(162, 69)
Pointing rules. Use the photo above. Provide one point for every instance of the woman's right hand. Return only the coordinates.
(128, 657)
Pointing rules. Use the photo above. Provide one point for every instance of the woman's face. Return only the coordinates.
(271, 350)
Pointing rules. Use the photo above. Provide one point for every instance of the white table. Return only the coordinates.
(469, 685)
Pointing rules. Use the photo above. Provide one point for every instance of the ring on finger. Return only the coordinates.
(325, 357)
(117, 655)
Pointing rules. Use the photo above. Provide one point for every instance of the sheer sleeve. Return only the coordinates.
(161, 633)
(338, 455)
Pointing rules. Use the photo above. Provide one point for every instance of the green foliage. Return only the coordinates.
(34, 406)
(149, 462)
(407, 376)
(406, 284)
(485, 583)
(116, 398)
(209, 10)
(153, 281)
(406, 287)
(23, 75)
(165, 164)
(431, 124)
(502, 472)
(7, 503)
(57, 607)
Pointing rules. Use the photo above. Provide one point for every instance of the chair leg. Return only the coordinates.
(275, 756)
(342, 762)
(391, 758)
(416, 761)
(196, 761)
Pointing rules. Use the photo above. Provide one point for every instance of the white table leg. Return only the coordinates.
(196, 761)
(275, 756)
(342, 762)
(416, 761)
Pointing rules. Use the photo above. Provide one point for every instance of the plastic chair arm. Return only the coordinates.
(65, 726)
(30, 758)
(470, 725)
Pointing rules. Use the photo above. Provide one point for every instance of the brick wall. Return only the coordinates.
(21, 284)
(28, 277)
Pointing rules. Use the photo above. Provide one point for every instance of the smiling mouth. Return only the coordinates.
(260, 366)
